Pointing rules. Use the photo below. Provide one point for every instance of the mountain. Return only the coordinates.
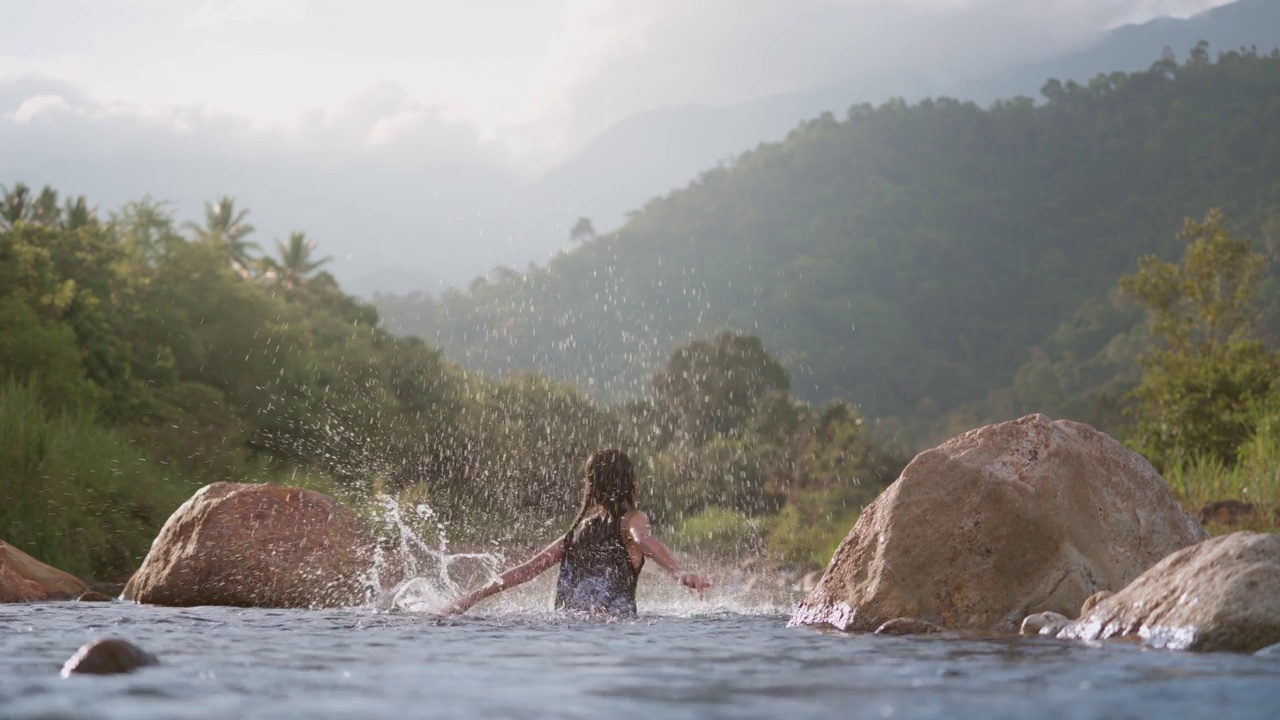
(651, 153)
(914, 259)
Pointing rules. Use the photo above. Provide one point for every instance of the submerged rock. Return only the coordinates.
(25, 579)
(108, 656)
(94, 596)
(1222, 594)
(256, 545)
(1004, 521)
(1045, 623)
(907, 626)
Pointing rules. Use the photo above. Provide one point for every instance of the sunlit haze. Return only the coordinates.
(464, 100)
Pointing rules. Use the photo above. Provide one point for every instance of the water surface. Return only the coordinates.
(687, 661)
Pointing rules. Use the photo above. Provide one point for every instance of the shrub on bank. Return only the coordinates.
(719, 532)
(77, 495)
(1253, 479)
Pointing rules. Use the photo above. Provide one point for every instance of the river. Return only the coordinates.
(511, 658)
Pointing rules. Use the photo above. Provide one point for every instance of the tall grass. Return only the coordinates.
(89, 499)
(75, 494)
(1254, 479)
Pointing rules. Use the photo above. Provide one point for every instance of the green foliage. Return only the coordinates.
(1254, 478)
(46, 355)
(801, 473)
(295, 263)
(56, 283)
(171, 344)
(809, 529)
(941, 265)
(718, 532)
(19, 205)
(711, 388)
(1209, 364)
(226, 229)
(75, 494)
(520, 446)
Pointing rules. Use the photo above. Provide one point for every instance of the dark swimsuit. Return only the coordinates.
(596, 574)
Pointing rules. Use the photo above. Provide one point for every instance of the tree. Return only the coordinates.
(45, 210)
(15, 205)
(145, 227)
(224, 226)
(582, 231)
(712, 388)
(1209, 362)
(296, 263)
(18, 205)
(77, 213)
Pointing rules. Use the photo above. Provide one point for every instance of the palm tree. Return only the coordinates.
(15, 205)
(77, 213)
(19, 205)
(45, 210)
(295, 263)
(223, 225)
(582, 231)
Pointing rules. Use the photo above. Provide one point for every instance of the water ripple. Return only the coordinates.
(518, 660)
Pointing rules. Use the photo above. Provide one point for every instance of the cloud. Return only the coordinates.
(387, 179)
(626, 56)
(382, 182)
(218, 15)
(33, 106)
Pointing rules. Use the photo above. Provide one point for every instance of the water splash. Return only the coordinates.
(425, 569)
(414, 571)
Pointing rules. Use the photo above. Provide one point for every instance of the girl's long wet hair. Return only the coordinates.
(610, 483)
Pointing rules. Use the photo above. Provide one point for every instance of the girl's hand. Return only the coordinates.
(695, 582)
(459, 606)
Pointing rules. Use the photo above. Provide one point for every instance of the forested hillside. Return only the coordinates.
(938, 263)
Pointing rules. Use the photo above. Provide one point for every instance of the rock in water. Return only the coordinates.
(907, 626)
(1045, 623)
(13, 587)
(1223, 594)
(54, 584)
(1002, 522)
(108, 656)
(256, 546)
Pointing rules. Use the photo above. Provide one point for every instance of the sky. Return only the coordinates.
(423, 115)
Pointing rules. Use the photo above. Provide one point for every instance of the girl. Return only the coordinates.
(602, 554)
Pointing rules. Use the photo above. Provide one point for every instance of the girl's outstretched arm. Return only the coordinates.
(637, 524)
(528, 570)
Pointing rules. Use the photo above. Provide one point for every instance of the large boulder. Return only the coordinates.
(55, 584)
(15, 588)
(1222, 594)
(1004, 521)
(256, 546)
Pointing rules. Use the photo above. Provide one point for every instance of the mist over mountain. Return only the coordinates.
(657, 151)
(409, 196)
